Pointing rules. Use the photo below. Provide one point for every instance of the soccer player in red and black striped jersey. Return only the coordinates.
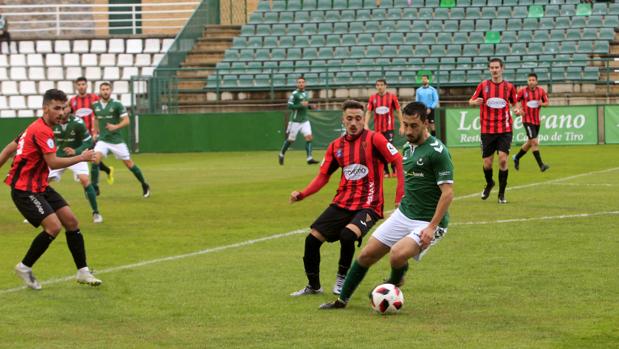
(82, 107)
(383, 104)
(532, 98)
(494, 97)
(41, 205)
(358, 203)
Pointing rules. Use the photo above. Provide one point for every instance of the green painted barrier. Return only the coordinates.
(559, 125)
(11, 128)
(611, 124)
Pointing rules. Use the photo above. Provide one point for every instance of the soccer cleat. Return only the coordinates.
(502, 199)
(25, 274)
(86, 277)
(110, 176)
(544, 167)
(516, 163)
(97, 217)
(146, 190)
(306, 291)
(339, 282)
(486, 193)
(312, 162)
(280, 158)
(399, 284)
(336, 304)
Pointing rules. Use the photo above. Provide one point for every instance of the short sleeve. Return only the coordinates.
(386, 149)
(121, 109)
(544, 97)
(477, 93)
(442, 165)
(371, 103)
(520, 95)
(44, 139)
(396, 103)
(512, 94)
(329, 163)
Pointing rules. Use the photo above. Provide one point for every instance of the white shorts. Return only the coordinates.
(120, 150)
(294, 128)
(81, 168)
(398, 226)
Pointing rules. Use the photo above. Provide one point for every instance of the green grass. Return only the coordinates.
(528, 283)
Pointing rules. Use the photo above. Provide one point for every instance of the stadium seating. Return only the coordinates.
(325, 38)
(36, 66)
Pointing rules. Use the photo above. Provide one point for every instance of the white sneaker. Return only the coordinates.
(25, 274)
(97, 218)
(307, 290)
(86, 277)
(339, 283)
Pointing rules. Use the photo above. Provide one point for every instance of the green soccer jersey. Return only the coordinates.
(426, 166)
(299, 111)
(112, 113)
(72, 134)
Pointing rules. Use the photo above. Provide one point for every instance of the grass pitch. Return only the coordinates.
(539, 272)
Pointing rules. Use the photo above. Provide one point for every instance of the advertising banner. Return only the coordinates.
(558, 126)
(611, 124)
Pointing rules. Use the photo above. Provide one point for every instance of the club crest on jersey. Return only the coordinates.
(338, 153)
(496, 103)
(355, 172)
(420, 162)
(50, 143)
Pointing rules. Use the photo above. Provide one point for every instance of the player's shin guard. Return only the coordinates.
(397, 274)
(538, 158)
(308, 149)
(285, 147)
(75, 241)
(104, 168)
(94, 174)
(91, 196)
(138, 174)
(347, 250)
(488, 175)
(311, 260)
(502, 181)
(353, 279)
(39, 245)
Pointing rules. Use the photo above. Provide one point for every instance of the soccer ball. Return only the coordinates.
(386, 299)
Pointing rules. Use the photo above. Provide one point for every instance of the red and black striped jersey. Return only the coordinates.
(494, 113)
(531, 103)
(362, 160)
(82, 108)
(29, 170)
(383, 108)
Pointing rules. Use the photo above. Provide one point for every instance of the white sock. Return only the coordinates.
(84, 269)
(23, 266)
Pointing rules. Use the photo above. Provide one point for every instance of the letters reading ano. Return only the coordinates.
(547, 121)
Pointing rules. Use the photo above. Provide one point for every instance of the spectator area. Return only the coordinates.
(32, 67)
(353, 42)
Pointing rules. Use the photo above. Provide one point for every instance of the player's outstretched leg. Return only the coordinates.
(94, 178)
(311, 263)
(308, 152)
(489, 184)
(282, 152)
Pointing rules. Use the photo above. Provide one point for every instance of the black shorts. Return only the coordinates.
(532, 130)
(331, 222)
(36, 206)
(388, 135)
(495, 142)
(430, 116)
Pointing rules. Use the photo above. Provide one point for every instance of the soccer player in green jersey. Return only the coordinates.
(421, 219)
(111, 116)
(72, 139)
(299, 104)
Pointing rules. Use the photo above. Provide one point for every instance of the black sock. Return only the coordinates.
(311, 260)
(104, 168)
(347, 250)
(488, 175)
(75, 241)
(37, 248)
(538, 158)
(502, 181)
(521, 153)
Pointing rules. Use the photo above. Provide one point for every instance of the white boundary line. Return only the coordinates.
(300, 231)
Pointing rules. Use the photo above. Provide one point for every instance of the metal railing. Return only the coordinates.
(68, 18)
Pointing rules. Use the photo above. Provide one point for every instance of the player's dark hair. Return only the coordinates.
(54, 95)
(416, 109)
(532, 75)
(301, 77)
(81, 78)
(426, 75)
(105, 84)
(352, 104)
(496, 60)
(382, 80)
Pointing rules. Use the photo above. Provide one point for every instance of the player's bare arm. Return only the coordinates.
(368, 116)
(124, 122)
(7, 152)
(399, 112)
(476, 101)
(447, 195)
(55, 162)
(315, 185)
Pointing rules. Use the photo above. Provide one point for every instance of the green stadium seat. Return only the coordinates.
(403, 26)
(567, 10)
(325, 53)
(583, 9)
(284, 41)
(332, 16)
(246, 54)
(470, 50)
(254, 67)
(363, 15)
(396, 38)
(486, 50)
(263, 29)
(430, 38)
(338, 3)
(536, 11)
(573, 73)
(541, 35)
(364, 39)
(457, 76)
(563, 22)
(286, 66)
(435, 26)
(552, 11)
(433, 3)
(525, 36)
(530, 23)
(585, 46)
(372, 27)
(229, 81)
(357, 52)
(318, 40)
(473, 13)
(341, 52)
(454, 50)
(551, 47)
(286, 17)
(418, 26)
(231, 55)
(349, 39)
(409, 13)
(325, 28)
(536, 48)
(356, 27)
(347, 15)
(606, 33)
(333, 40)
(310, 53)
(445, 38)
(269, 66)
(301, 41)
(480, 62)
(278, 54)
(437, 50)
(277, 29)
(502, 49)
(520, 12)
(270, 17)
(573, 34)
(394, 13)
(518, 48)
(591, 74)
(557, 34)
(463, 3)
(381, 38)
(613, 8)
(611, 21)
(488, 12)
(356, 3)
(509, 36)
(422, 50)
(595, 21)
(310, 29)
(373, 51)
(451, 25)
(309, 4)
(447, 3)
(456, 13)
(547, 23)
(316, 16)
(262, 54)
(498, 25)
(448, 63)
(441, 13)
(241, 42)
(464, 62)
(601, 47)
(568, 47)
(293, 29)
(504, 12)
(425, 13)
(493, 37)
(514, 24)
(467, 25)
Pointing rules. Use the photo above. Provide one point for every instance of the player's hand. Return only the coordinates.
(305, 103)
(295, 196)
(478, 101)
(88, 155)
(427, 234)
(110, 127)
(69, 151)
